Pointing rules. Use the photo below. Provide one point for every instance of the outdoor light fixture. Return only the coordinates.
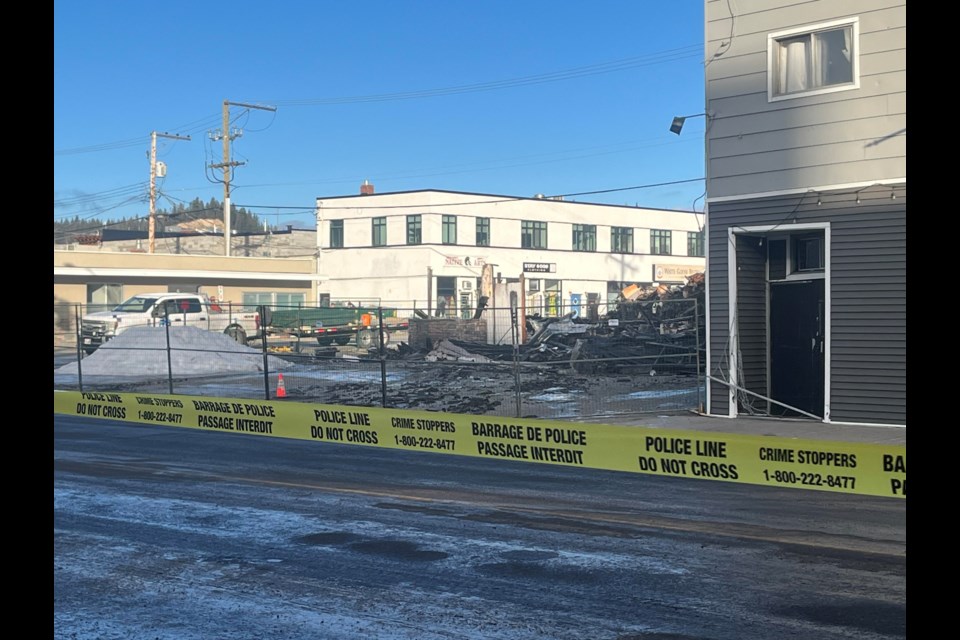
(679, 120)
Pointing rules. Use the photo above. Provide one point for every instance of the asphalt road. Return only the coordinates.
(180, 534)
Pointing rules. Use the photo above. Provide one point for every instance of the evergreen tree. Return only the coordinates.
(243, 221)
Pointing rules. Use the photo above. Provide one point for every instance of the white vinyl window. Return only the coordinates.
(106, 295)
(815, 59)
(274, 299)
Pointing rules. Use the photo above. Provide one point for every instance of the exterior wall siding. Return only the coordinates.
(757, 146)
(867, 296)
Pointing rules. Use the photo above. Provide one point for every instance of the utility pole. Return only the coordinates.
(226, 135)
(152, 228)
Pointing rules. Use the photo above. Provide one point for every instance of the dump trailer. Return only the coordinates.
(337, 325)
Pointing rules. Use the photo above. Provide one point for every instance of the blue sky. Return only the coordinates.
(493, 96)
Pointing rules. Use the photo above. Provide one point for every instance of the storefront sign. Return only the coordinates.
(464, 261)
(674, 272)
(540, 267)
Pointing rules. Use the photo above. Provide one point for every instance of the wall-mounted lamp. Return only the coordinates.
(893, 193)
(819, 202)
(679, 120)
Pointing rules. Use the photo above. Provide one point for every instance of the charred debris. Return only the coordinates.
(648, 330)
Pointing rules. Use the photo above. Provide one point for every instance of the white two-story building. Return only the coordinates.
(428, 248)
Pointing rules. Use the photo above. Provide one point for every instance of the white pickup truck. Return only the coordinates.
(177, 309)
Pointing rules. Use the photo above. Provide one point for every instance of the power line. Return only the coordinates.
(104, 209)
(296, 210)
(641, 186)
(101, 195)
(194, 126)
(659, 57)
(485, 201)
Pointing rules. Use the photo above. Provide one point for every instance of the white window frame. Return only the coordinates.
(104, 290)
(250, 300)
(772, 59)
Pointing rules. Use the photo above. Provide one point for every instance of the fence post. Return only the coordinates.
(696, 328)
(383, 361)
(166, 326)
(79, 347)
(299, 325)
(263, 347)
(515, 334)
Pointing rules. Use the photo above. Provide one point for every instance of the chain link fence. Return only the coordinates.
(633, 357)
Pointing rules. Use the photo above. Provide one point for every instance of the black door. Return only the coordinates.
(797, 346)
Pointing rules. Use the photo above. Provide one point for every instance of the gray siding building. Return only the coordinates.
(806, 201)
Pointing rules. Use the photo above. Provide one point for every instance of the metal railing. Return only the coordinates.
(629, 358)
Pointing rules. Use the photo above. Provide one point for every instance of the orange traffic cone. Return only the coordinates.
(281, 388)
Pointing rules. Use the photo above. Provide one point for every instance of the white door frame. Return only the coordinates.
(733, 333)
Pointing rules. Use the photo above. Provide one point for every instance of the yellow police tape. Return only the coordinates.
(864, 469)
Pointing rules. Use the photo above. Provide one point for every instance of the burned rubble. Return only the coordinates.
(640, 356)
(648, 330)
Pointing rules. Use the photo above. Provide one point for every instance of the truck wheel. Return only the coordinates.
(368, 338)
(324, 342)
(237, 333)
(89, 350)
(342, 340)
